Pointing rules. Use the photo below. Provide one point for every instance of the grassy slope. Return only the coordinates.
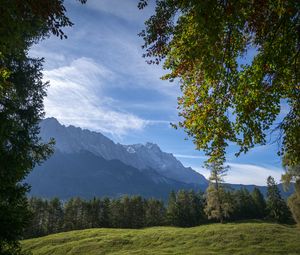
(241, 238)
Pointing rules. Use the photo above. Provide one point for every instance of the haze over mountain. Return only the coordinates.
(149, 156)
(89, 164)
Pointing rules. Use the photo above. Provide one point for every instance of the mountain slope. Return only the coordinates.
(149, 156)
(86, 175)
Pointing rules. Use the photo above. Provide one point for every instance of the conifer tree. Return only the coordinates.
(155, 213)
(244, 204)
(259, 203)
(276, 206)
(172, 210)
(55, 216)
(218, 206)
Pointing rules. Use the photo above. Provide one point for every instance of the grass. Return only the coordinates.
(232, 238)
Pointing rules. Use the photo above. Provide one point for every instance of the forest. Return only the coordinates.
(183, 209)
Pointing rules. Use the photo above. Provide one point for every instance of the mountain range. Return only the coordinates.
(89, 164)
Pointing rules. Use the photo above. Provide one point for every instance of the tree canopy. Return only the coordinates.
(22, 23)
(225, 98)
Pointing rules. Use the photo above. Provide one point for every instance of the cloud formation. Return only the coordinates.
(246, 173)
(75, 97)
(251, 174)
(189, 156)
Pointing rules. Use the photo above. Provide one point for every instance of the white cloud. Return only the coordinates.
(75, 97)
(246, 174)
(189, 156)
(251, 174)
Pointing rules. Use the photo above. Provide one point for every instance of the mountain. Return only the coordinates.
(86, 175)
(89, 164)
(149, 156)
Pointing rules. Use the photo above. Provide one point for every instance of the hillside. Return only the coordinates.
(239, 238)
(87, 175)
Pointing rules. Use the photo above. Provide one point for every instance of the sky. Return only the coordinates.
(100, 81)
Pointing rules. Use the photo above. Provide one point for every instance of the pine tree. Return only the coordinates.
(116, 213)
(172, 210)
(197, 214)
(276, 206)
(55, 216)
(294, 202)
(105, 212)
(155, 214)
(244, 205)
(259, 203)
(218, 206)
(137, 212)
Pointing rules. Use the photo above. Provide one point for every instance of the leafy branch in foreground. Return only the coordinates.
(203, 43)
(224, 98)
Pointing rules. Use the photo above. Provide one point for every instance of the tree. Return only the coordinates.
(276, 206)
(259, 203)
(294, 202)
(292, 174)
(202, 44)
(219, 204)
(172, 210)
(22, 23)
(197, 215)
(155, 213)
(116, 213)
(55, 216)
(244, 207)
(38, 225)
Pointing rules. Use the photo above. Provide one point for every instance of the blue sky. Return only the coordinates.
(99, 81)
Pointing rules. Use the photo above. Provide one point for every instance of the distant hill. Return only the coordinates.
(89, 164)
(86, 175)
(232, 238)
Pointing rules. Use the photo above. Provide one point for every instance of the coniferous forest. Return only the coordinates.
(183, 209)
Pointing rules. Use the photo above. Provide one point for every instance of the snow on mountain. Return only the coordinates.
(149, 156)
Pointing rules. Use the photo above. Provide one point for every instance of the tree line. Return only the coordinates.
(183, 209)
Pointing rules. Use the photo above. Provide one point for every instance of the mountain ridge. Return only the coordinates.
(88, 164)
(74, 139)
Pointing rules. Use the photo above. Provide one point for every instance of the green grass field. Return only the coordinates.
(233, 238)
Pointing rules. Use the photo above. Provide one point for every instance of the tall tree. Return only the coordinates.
(155, 213)
(55, 216)
(292, 174)
(202, 44)
(294, 202)
(22, 23)
(172, 210)
(244, 205)
(116, 209)
(276, 206)
(217, 205)
(259, 203)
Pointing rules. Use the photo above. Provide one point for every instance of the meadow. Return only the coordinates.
(250, 238)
